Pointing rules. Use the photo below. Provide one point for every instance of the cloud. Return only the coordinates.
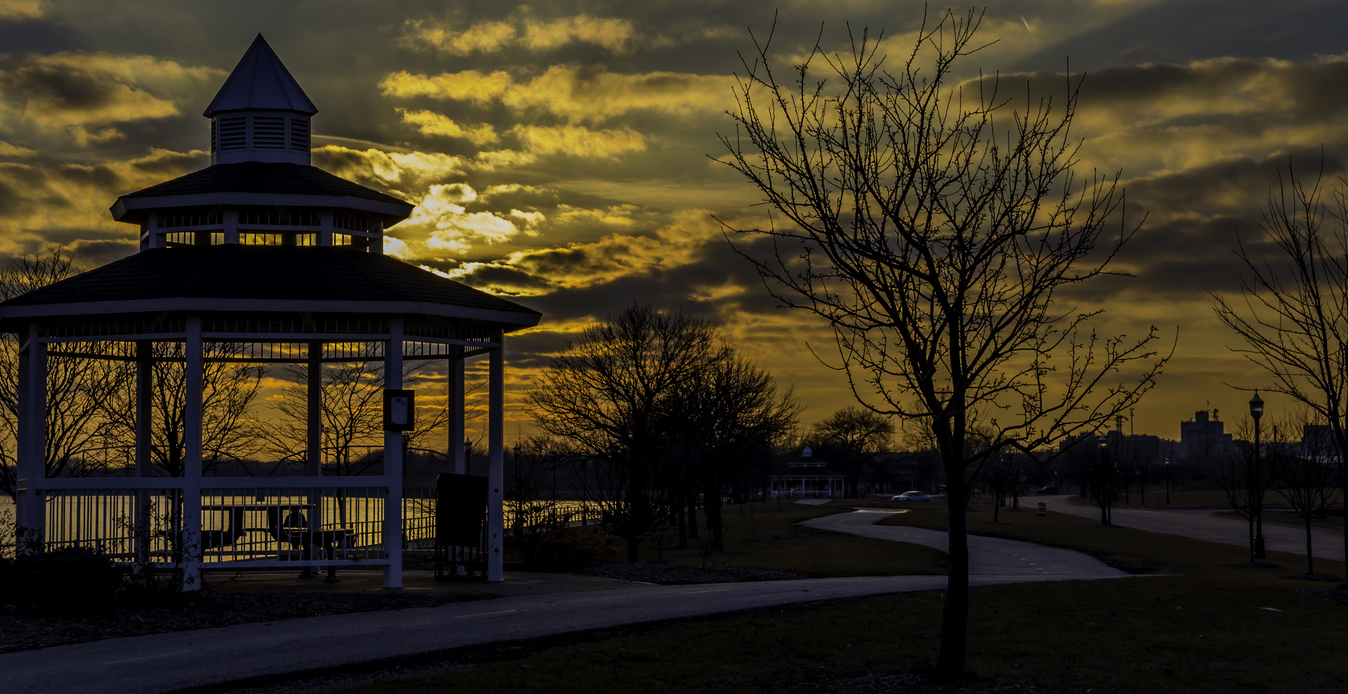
(572, 92)
(431, 123)
(467, 85)
(21, 10)
(615, 35)
(43, 202)
(616, 255)
(579, 141)
(451, 226)
(9, 150)
(485, 37)
(84, 98)
(385, 168)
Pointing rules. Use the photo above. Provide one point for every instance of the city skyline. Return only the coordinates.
(558, 154)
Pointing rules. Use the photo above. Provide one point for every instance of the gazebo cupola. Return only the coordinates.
(261, 113)
(260, 188)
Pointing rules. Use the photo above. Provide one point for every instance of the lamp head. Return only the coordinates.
(1256, 406)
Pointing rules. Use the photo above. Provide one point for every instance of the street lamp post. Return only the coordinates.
(1257, 498)
(467, 456)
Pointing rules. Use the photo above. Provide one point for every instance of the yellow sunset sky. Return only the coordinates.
(563, 154)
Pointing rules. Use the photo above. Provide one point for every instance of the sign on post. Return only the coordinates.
(399, 410)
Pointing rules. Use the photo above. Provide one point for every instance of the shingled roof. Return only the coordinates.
(264, 177)
(258, 275)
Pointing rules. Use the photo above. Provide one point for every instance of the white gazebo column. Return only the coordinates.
(457, 431)
(393, 462)
(191, 543)
(32, 443)
(231, 225)
(324, 228)
(313, 460)
(144, 414)
(496, 456)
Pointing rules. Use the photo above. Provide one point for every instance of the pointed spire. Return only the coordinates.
(260, 81)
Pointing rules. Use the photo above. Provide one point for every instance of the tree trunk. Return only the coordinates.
(955, 613)
(692, 514)
(996, 507)
(1310, 557)
(1250, 521)
(712, 505)
(681, 516)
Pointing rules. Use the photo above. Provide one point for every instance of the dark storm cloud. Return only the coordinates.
(51, 87)
(1169, 32)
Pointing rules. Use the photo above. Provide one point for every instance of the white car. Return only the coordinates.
(911, 496)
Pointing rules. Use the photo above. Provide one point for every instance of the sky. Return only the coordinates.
(564, 154)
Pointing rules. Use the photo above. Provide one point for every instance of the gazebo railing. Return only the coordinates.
(244, 522)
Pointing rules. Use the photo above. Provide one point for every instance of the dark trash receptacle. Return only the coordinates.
(460, 527)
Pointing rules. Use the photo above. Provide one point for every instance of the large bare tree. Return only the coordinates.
(1291, 312)
(937, 229)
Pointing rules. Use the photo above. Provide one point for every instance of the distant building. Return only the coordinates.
(808, 477)
(1204, 437)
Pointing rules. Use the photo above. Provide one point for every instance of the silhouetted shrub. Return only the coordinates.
(72, 581)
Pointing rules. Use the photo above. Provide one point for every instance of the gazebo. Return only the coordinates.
(259, 258)
(808, 477)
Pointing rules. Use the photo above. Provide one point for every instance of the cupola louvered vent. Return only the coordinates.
(269, 132)
(299, 134)
(233, 133)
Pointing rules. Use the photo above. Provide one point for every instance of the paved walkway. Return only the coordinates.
(167, 662)
(1203, 525)
(988, 556)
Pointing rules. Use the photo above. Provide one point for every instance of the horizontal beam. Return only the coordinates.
(54, 484)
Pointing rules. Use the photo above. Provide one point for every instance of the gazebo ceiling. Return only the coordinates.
(265, 278)
(258, 183)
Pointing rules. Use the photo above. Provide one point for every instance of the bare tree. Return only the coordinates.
(1247, 475)
(1306, 476)
(732, 418)
(350, 414)
(1292, 310)
(851, 438)
(228, 390)
(79, 388)
(937, 229)
(607, 396)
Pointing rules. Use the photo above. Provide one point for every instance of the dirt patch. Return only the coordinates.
(202, 611)
(679, 574)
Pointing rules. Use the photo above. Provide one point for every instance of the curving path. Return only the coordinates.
(1204, 525)
(988, 556)
(169, 662)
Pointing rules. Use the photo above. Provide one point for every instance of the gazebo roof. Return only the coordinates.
(260, 81)
(265, 278)
(254, 178)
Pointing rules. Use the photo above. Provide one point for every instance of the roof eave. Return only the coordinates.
(513, 320)
(127, 207)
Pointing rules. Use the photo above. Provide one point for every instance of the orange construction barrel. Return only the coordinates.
(1043, 509)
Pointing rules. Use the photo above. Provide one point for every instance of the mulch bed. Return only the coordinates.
(678, 574)
(202, 610)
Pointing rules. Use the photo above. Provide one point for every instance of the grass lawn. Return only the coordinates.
(1209, 628)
